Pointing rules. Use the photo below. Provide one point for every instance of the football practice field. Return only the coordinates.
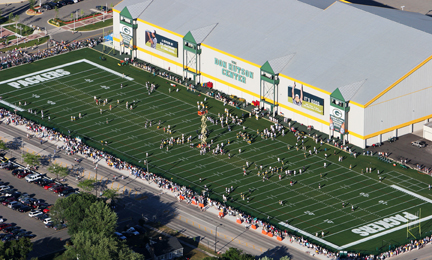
(376, 213)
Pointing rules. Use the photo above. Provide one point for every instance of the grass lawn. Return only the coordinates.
(26, 30)
(95, 26)
(313, 204)
(27, 44)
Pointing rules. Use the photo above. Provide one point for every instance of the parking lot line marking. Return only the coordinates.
(193, 224)
(199, 226)
(205, 229)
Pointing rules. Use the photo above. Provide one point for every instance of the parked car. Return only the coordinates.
(24, 208)
(419, 143)
(16, 206)
(5, 225)
(8, 200)
(33, 177)
(59, 189)
(10, 167)
(34, 213)
(42, 217)
(101, 8)
(23, 174)
(132, 231)
(47, 6)
(4, 164)
(120, 236)
(49, 185)
(47, 209)
(69, 2)
(4, 187)
(17, 171)
(60, 3)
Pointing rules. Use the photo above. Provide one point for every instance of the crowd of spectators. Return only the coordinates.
(20, 56)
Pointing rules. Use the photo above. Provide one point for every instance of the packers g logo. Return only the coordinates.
(126, 30)
(337, 113)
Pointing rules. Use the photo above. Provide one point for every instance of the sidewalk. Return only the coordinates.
(91, 174)
(20, 39)
(88, 21)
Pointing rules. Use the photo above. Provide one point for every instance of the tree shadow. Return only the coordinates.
(276, 252)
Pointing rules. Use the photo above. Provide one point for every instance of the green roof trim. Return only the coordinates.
(337, 95)
(125, 12)
(189, 38)
(267, 68)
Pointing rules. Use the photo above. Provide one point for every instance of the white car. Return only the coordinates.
(120, 236)
(35, 213)
(132, 231)
(47, 220)
(33, 177)
(12, 203)
(4, 187)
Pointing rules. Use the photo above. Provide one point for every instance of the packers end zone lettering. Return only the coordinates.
(39, 78)
(384, 224)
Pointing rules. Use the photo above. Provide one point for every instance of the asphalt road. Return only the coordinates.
(47, 239)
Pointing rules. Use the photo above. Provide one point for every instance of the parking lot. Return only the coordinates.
(47, 240)
(402, 149)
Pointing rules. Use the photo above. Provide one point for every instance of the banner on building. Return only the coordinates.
(126, 36)
(161, 43)
(337, 120)
(301, 98)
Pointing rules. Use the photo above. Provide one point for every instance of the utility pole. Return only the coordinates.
(96, 185)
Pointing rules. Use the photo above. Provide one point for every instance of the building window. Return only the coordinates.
(126, 20)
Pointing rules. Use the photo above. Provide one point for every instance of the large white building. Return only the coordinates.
(361, 71)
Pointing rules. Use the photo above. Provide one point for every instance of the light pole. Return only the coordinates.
(216, 235)
(22, 153)
(96, 186)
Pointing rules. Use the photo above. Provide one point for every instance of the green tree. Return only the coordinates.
(285, 258)
(32, 159)
(72, 209)
(32, 4)
(236, 254)
(16, 249)
(110, 194)
(93, 246)
(58, 170)
(72, 16)
(82, 13)
(99, 218)
(87, 185)
(265, 258)
(11, 16)
(3, 146)
(56, 11)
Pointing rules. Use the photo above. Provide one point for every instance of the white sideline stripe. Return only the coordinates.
(65, 65)
(411, 193)
(106, 69)
(41, 71)
(385, 232)
(369, 237)
(11, 105)
(310, 235)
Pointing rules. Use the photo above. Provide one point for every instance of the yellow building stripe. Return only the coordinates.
(398, 81)
(400, 96)
(357, 104)
(345, 1)
(116, 39)
(117, 11)
(398, 126)
(160, 28)
(160, 57)
(330, 5)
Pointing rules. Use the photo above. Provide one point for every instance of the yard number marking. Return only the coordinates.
(328, 221)
(382, 202)
(51, 102)
(35, 96)
(218, 174)
(105, 87)
(116, 130)
(310, 213)
(366, 195)
(88, 80)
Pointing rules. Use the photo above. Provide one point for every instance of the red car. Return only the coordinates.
(47, 210)
(8, 200)
(5, 225)
(49, 185)
(59, 189)
(22, 174)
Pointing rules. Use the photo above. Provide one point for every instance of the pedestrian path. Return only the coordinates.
(75, 26)
(19, 39)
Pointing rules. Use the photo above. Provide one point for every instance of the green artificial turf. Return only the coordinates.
(305, 206)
